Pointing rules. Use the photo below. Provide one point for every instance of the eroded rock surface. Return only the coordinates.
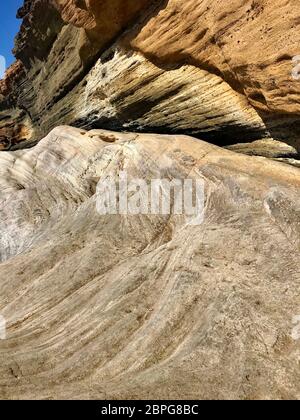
(221, 71)
(147, 306)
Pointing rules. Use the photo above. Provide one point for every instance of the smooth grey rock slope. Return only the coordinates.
(147, 306)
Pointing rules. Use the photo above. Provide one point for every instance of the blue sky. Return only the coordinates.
(9, 27)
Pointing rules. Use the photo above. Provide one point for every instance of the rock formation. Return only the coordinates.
(147, 306)
(120, 306)
(219, 72)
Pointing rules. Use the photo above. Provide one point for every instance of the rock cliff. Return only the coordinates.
(221, 72)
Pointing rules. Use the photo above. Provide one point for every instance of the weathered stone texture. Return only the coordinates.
(218, 70)
(147, 306)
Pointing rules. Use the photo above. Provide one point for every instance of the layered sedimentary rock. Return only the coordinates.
(147, 306)
(151, 305)
(220, 71)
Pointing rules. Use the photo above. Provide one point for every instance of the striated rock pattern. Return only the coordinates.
(221, 71)
(147, 306)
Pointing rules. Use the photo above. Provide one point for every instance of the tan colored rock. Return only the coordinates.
(250, 43)
(102, 20)
(147, 306)
(265, 147)
(221, 72)
(13, 73)
(15, 127)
